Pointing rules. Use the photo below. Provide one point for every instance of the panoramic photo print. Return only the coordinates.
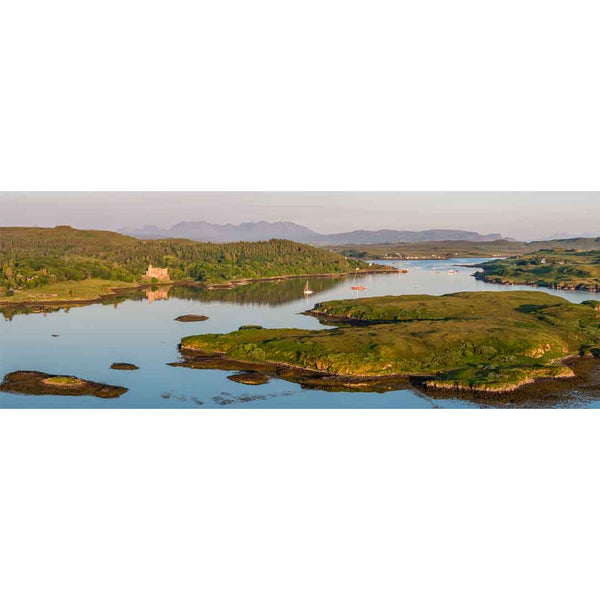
(299, 300)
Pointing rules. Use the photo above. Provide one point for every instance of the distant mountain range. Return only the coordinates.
(384, 236)
(565, 235)
(262, 230)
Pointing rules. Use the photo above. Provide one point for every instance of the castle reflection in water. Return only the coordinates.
(161, 293)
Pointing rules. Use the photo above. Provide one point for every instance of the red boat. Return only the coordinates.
(356, 287)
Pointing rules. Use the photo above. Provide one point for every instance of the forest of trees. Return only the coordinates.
(32, 257)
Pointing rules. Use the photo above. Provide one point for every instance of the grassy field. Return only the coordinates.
(575, 270)
(88, 289)
(64, 380)
(460, 249)
(488, 341)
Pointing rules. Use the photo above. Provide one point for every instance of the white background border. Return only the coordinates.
(266, 95)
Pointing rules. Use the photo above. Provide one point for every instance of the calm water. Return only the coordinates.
(142, 330)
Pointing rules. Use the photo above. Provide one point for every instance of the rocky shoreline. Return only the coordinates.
(572, 373)
(309, 378)
(546, 392)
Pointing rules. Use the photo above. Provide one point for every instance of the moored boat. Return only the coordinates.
(356, 287)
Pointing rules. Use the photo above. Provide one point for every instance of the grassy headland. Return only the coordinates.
(63, 263)
(484, 341)
(69, 290)
(568, 269)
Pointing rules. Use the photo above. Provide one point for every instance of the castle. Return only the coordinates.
(157, 273)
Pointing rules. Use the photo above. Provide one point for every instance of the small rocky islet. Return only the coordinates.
(191, 318)
(121, 366)
(37, 383)
(484, 342)
(249, 378)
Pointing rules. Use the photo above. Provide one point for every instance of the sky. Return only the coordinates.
(522, 215)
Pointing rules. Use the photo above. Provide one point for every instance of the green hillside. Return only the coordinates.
(32, 257)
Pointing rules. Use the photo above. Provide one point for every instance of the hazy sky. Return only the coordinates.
(523, 215)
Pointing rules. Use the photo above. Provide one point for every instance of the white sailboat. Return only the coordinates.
(307, 290)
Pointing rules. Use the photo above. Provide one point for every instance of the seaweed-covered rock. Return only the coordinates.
(119, 366)
(249, 378)
(36, 383)
(191, 318)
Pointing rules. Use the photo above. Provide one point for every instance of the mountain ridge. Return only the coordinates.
(264, 230)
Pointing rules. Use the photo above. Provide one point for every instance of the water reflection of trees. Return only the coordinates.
(270, 293)
(265, 293)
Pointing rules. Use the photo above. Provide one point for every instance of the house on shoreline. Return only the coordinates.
(157, 273)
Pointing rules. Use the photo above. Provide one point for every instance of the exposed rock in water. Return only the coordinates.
(191, 318)
(124, 367)
(44, 384)
(243, 327)
(249, 378)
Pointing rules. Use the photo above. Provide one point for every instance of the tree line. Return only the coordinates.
(32, 257)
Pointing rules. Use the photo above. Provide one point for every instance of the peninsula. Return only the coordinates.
(475, 341)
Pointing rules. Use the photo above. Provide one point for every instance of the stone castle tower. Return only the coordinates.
(157, 273)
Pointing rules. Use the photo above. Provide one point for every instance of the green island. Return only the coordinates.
(559, 269)
(62, 264)
(487, 342)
